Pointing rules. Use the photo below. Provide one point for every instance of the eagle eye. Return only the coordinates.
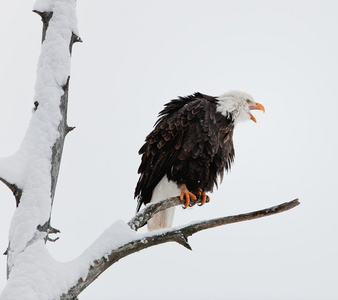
(248, 101)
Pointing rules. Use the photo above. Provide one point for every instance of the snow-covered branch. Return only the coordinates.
(39, 157)
(177, 234)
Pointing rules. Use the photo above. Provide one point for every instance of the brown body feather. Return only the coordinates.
(191, 144)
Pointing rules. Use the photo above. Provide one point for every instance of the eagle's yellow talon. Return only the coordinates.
(204, 198)
(203, 195)
(187, 196)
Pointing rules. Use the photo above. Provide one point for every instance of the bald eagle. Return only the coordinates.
(189, 148)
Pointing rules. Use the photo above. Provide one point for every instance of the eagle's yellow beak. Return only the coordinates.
(257, 106)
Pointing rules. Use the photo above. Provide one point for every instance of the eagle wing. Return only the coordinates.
(188, 128)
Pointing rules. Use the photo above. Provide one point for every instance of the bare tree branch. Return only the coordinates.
(198, 226)
(178, 234)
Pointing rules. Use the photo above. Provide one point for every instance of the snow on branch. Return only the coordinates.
(177, 234)
(39, 156)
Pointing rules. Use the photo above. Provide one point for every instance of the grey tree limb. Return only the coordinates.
(179, 235)
(141, 218)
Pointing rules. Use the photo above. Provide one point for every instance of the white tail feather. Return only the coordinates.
(164, 190)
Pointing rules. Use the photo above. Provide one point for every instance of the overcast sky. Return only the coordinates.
(136, 56)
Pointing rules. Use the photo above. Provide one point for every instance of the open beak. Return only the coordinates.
(256, 106)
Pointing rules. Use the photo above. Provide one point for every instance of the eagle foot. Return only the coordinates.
(187, 196)
(204, 196)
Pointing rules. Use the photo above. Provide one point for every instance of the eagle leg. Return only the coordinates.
(187, 196)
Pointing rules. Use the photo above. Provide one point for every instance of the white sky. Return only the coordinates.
(136, 56)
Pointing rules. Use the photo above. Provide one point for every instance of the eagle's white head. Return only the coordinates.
(237, 105)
